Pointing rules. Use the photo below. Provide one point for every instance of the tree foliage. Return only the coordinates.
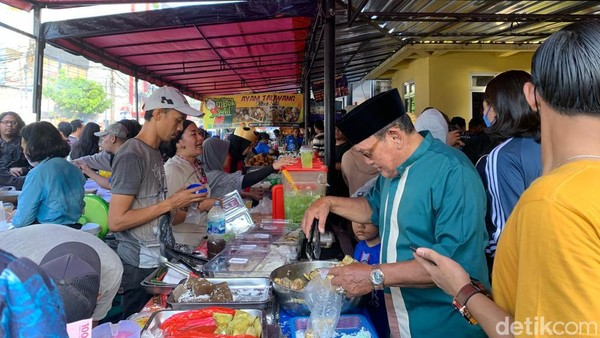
(76, 97)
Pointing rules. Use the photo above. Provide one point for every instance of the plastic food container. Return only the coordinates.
(236, 263)
(351, 325)
(308, 185)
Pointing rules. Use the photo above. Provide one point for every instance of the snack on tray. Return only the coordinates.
(260, 160)
(212, 320)
(202, 291)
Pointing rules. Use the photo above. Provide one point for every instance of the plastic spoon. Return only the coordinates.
(288, 177)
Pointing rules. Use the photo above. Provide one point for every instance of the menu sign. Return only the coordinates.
(265, 109)
(341, 88)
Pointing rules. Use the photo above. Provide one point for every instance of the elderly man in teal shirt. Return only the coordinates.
(427, 195)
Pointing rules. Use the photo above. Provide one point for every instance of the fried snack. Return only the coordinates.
(260, 160)
(221, 293)
(242, 323)
(199, 286)
(202, 291)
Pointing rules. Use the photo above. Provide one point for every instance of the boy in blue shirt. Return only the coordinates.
(368, 250)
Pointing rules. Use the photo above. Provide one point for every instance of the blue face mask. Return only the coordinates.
(487, 121)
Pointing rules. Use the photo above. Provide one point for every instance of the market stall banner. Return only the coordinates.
(265, 109)
(341, 87)
(317, 110)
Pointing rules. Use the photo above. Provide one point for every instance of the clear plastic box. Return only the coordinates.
(308, 185)
(236, 263)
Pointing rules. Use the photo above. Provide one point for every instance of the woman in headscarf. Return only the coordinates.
(183, 169)
(217, 161)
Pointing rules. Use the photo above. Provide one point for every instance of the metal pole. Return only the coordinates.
(38, 64)
(137, 98)
(306, 105)
(350, 98)
(329, 86)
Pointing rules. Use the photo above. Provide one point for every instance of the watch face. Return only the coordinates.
(377, 277)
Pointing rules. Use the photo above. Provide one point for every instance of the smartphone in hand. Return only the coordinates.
(414, 249)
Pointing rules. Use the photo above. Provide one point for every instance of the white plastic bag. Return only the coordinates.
(193, 216)
(264, 207)
(325, 306)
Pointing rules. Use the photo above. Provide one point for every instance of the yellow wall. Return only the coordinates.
(444, 81)
(416, 70)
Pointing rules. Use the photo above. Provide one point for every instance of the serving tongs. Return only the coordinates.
(313, 244)
(184, 259)
(164, 261)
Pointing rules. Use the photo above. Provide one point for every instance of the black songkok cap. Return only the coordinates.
(371, 116)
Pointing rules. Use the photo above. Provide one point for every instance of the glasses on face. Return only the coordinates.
(9, 123)
(369, 153)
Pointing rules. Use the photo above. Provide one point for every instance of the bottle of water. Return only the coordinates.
(216, 230)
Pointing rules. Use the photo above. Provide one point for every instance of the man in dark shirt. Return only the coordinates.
(13, 164)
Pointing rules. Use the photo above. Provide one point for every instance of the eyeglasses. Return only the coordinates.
(9, 123)
(369, 153)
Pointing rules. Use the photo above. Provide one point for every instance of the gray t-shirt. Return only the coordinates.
(138, 170)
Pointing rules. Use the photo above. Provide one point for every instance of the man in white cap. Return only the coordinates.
(427, 194)
(139, 213)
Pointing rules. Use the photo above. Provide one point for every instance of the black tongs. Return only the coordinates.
(313, 245)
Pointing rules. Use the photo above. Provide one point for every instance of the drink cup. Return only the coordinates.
(8, 207)
(306, 156)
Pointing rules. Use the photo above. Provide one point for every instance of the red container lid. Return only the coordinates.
(278, 208)
(317, 165)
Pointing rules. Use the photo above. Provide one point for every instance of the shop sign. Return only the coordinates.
(265, 109)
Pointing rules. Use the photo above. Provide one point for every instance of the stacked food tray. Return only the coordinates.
(267, 246)
(154, 285)
(153, 326)
(248, 293)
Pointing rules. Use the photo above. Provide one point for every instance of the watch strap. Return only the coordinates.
(463, 296)
(466, 292)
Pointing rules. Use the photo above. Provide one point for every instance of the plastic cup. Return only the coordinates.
(8, 207)
(306, 156)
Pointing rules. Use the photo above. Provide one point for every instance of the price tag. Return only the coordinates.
(248, 246)
(270, 227)
(236, 260)
(261, 235)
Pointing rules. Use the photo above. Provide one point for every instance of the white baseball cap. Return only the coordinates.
(169, 98)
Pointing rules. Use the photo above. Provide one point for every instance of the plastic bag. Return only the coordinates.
(265, 207)
(193, 215)
(325, 306)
